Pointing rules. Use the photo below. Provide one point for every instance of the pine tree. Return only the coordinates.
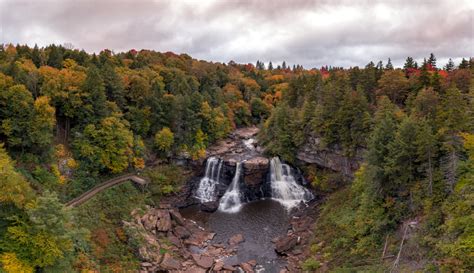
(464, 64)
(426, 143)
(389, 65)
(55, 58)
(270, 66)
(425, 79)
(36, 56)
(432, 61)
(409, 63)
(449, 66)
(95, 103)
(378, 151)
(283, 65)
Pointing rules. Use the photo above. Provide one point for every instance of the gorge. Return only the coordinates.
(243, 212)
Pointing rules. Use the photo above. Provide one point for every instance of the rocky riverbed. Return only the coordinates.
(169, 242)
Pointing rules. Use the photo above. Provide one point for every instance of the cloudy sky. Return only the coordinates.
(311, 33)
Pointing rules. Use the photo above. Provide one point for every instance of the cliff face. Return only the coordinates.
(332, 158)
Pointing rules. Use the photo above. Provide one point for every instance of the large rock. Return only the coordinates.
(209, 206)
(169, 263)
(255, 171)
(285, 244)
(203, 261)
(236, 239)
(177, 217)
(181, 232)
(333, 158)
(164, 220)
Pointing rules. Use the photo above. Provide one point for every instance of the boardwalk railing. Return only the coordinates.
(105, 185)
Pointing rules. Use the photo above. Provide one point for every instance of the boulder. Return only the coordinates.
(255, 171)
(164, 220)
(203, 261)
(169, 263)
(210, 206)
(247, 268)
(236, 239)
(177, 217)
(286, 243)
(218, 266)
(149, 221)
(181, 232)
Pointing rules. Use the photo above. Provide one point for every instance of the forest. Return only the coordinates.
(70, 120)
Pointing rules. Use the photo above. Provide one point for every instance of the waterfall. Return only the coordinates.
(284, 187)
(207, 185)
(230, 202)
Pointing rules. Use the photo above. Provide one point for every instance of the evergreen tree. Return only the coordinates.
(449, 66)
(426, 143)
(378, 151)
(409, 63)
(425, 79)
(389, 65)
(432, 61)
(36, 56)
(55, 58)
(464, 64)
(95, 103)
(270, 66)
(283, 65)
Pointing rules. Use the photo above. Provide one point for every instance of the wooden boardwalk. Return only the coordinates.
(105, 185)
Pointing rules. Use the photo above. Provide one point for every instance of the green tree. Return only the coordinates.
(55, 57)
(107, 145)
(395, 85)
(16, 112)
(13, 186)
(260, 110)
(43, 122)
(95, 101)
(164, 140)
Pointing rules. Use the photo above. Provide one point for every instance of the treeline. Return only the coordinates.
(415, 127)
(70, 119)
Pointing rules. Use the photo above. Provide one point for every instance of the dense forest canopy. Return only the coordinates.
(69, 118)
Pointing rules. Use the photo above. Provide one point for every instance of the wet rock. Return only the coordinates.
(169, 262)
(246, 132)
(236, 239)
(284, 244)
(199, 238)
(164, 220)
(228, 267)
(203, 261)
(209, 206)
(252, 263)
(247, 268)
(301, 224)
(255, 171)
(181, 232)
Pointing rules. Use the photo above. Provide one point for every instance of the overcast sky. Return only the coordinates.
(311, 33)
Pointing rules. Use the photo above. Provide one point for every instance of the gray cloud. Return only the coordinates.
(311, 33)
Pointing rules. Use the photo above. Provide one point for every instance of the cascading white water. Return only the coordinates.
(207, 185)
(230, 202)
(284, 187)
